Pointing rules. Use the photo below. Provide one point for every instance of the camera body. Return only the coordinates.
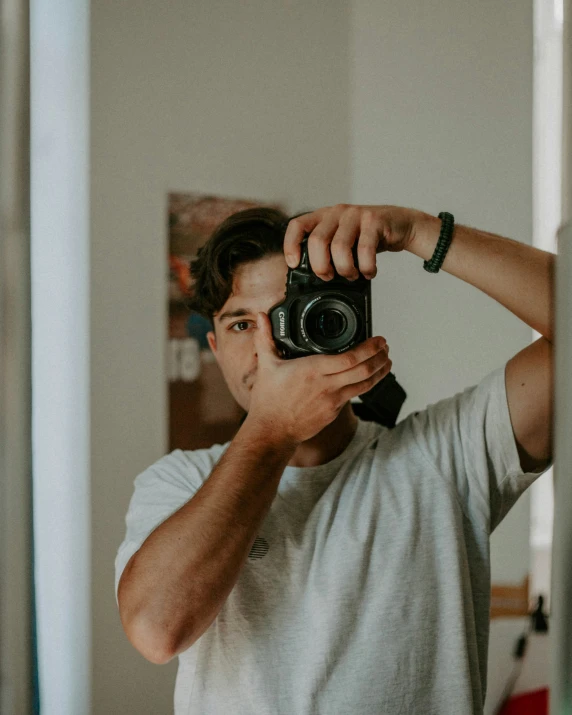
(320, 316)
(331, 317)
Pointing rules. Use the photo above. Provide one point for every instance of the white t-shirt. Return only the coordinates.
(367, 589)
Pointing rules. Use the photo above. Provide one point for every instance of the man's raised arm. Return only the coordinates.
(521, 278)
(516, 275)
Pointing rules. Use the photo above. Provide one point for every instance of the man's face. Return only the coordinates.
(257, 286)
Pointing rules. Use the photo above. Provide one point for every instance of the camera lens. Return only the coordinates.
(331, 323)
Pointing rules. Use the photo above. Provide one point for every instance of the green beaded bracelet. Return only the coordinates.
(445, 237)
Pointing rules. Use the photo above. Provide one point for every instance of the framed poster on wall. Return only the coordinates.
(202, 411)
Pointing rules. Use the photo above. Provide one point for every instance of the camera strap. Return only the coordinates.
(382, 403)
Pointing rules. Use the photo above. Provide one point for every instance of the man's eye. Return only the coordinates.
(240, 326)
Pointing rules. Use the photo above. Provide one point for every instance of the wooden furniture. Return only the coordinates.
(510, 600)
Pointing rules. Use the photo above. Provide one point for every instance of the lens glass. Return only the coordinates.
(330, 323)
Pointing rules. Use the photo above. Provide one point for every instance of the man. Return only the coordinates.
(318, 563)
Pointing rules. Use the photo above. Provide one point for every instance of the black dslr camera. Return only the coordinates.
(320, 316)
(331, 317)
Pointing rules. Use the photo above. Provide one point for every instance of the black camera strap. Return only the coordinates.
(382, 403)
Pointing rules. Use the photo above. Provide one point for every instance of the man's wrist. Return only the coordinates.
(425, 236)
(268, 435)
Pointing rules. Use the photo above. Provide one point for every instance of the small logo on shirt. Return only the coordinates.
(259, 548)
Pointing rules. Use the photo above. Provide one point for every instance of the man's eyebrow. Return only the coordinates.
(238, 313)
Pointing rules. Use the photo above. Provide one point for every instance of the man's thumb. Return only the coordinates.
(263, 337)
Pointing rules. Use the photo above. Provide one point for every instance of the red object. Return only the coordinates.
(534, 703)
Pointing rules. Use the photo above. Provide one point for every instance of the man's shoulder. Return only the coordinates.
(184, 463)
(490, 385)
(204, 457)
(203, 454)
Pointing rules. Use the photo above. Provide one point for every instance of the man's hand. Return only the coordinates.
(293, 400)
(334, 231)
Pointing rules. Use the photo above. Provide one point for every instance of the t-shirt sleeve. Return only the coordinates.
(469, 440)
(159, 492)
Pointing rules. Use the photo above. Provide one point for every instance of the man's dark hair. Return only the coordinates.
(245, 236)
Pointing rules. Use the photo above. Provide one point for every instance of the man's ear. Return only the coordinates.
(211, 337)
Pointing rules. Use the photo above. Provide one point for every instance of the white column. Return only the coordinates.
(60, 349)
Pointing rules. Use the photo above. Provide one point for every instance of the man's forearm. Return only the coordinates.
(518, 276)
(174, 586)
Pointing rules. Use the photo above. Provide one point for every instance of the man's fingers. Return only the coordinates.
(360, 388)
(263, 340)
(332, 364)
(319, 247)
(297, 228)
(343, 243)
(367, 247)
(363, 370)
(332, 234)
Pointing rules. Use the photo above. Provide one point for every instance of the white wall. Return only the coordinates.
(442, 121)
(242, 100)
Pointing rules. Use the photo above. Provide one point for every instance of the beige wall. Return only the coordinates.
(442, 121)
(311, 103)
(242, 100)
